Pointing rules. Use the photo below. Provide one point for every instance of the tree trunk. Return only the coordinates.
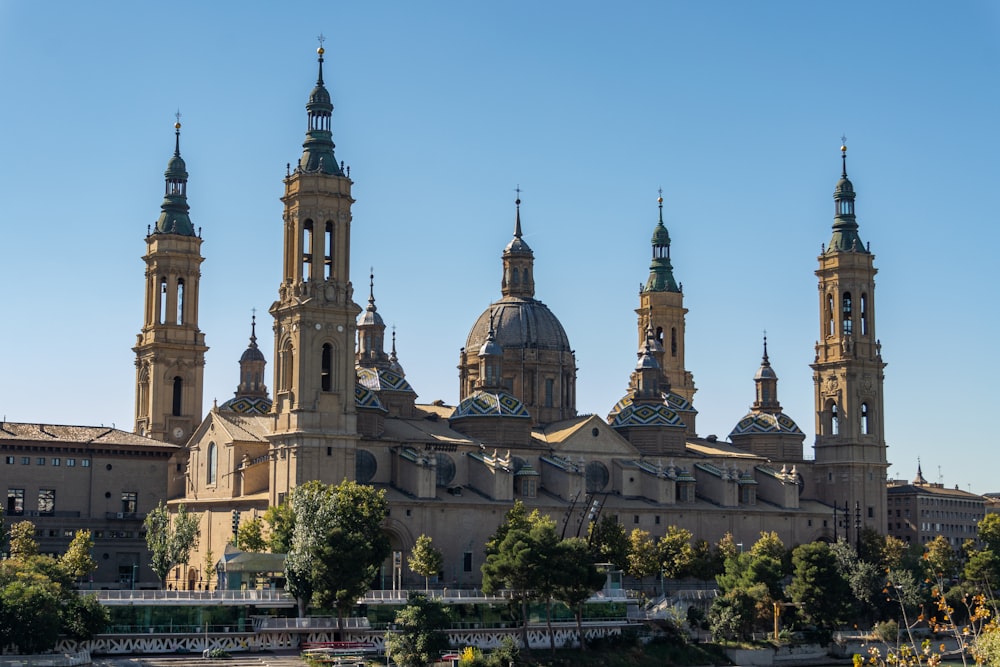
(301, 603)
(548, 625)
(579, 627)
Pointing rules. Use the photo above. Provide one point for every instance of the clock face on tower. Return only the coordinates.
(178, 433)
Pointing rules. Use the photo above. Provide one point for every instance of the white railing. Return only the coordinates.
(195, 597)
(64, 660)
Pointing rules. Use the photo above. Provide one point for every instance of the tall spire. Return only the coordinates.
(252, 364)
(317, 153)
(518, 261)
(174, 217)
(766, 381)
(371, 332)
(661, 271)
(394, 364)
(845, 226)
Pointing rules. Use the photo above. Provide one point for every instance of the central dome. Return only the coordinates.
(519, 323)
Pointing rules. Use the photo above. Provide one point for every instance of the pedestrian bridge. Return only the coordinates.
(274, 598)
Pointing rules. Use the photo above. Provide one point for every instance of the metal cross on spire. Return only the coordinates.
(320, 38)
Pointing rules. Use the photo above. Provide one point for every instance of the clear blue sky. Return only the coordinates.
(735, 109)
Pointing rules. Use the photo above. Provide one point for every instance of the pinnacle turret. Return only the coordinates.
(174, 217)
(661, 271)
(317, 153)
(845, 226)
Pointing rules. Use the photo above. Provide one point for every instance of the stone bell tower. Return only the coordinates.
(315, 431)
(661, 307)
(848, 373)
(170, 349)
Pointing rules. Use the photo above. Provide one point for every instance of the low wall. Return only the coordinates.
(790, 656)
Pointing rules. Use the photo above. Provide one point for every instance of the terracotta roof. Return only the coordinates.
(60, 434)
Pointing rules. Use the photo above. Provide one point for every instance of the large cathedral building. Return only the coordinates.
(341, 406)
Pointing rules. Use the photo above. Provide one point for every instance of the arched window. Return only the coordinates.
(673, 341)
(162, 315)
(848, 314)
(143, 401)
(864, 314)
(659, 335)
(829, 315)
(212, 463)
(307, 247)
(286, 363)
(178, 391)
(326, 368)
(514, 279)
(865, 420)
(328, 260)
(180, 301)
(834, 419)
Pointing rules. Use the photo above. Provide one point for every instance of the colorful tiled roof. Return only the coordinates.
(248, 405)
(383, 379)
(763, 422)
(645, 414)
(366, 398)
(491, 404)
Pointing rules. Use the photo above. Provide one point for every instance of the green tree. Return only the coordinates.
(77, 561)
(209, 566)
(609, 542)
(30, 617)
(706, 562)
(418, 637)
(894, 550)
(771, 546)
(250, 536)
(517, 561)
(425, 559)
(280, 521)
(675, 552)
(22, 541)
(988, 531)
(822, 594)
(731, 615)
(38, 599)
(337, 544)
(578, 579)
(643, 556)
(170, 542)
(940, 560)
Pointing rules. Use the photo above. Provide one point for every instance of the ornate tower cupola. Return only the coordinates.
(766, 430)
(170, 349)
(251, 396)
(317, 150)
(539, 363)
(648, 372)
(491, 363)
(252, 365)
(661, 307)
(661, 271)
(315, 433)
(518, 263)
(371, 334)
(848, 371)
(174, 217)
(845, 225)
(766, 381)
